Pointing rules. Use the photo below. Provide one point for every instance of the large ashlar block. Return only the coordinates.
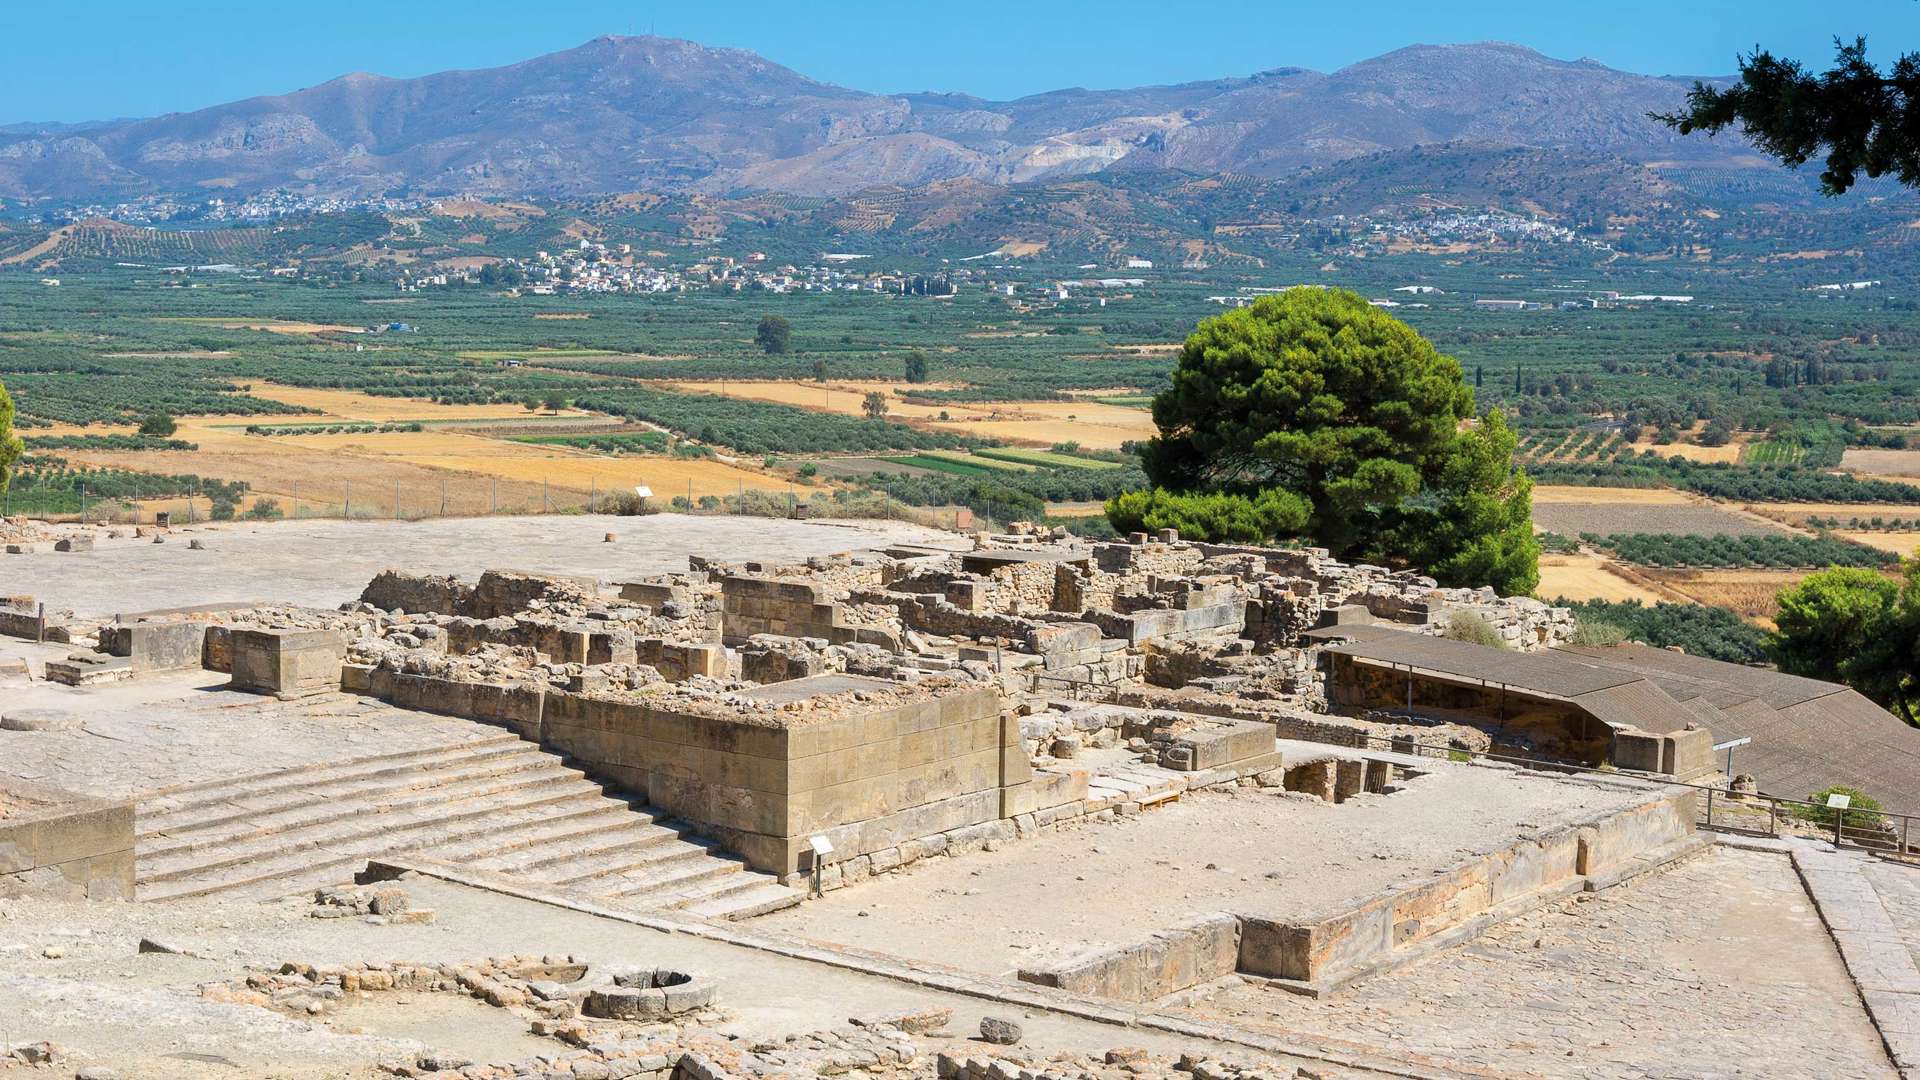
(871, 774)
(287, 663)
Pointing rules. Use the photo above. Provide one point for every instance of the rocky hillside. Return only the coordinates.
(648, 113)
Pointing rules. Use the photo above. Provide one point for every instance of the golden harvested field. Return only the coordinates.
(1727, 454)
(1798, 513)
(427, 472)
(272, 326)
(1904, 464)
(1749, 593)
(1076, 509)
(1903, 544)
(1588, 577)
(559, 467)
(352, 405)
(1549, 493)
(1035, 423)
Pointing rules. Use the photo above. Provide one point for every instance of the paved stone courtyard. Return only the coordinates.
(133, 737)
(1261, 850)
(1718, 967)
(325, 562)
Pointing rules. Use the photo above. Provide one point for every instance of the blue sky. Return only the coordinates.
(82, 60)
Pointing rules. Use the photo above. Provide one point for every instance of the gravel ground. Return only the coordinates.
(142, 1014)
(1719, 967)
(324, 563)
(1249, 851)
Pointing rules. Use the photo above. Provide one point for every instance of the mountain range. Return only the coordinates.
(659, 114)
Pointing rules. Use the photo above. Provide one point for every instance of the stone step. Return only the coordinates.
(244, 818)
(276, 876)
(758, 898)
(613, 869)
(181, 796)
(672, 883)
(632, 842)
(489, 800)
(559, 828)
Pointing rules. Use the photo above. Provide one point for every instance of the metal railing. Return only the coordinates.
(1882, 832)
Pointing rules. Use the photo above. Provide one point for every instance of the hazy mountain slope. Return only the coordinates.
(623, 114)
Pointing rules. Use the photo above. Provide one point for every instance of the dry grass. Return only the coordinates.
(1897, 463)
(1076, 509)
(272, 326)
(1588, 577)
(1903, 544)
(1728, 454)
(1752, 594)
(1549, 493)
(1033, 423)
(351, 405)
(1798, 513)
(422, 471)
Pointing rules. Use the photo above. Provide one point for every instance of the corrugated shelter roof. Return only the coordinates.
(1776, 688)
(1807, 735)
(1543, 673)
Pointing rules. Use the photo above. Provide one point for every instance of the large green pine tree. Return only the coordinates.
(1340, 424)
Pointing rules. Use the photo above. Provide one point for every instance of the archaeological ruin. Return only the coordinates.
(859, 798)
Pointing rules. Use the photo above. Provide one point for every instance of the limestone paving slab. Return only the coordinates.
(324, 563)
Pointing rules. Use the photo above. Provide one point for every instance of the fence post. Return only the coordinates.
(1709, 808)
(493, 501)
(1904, 823)
(443, 497)
(546, 505)
(396, 499)
(295, 512)
(1839, 826)
(349, 500)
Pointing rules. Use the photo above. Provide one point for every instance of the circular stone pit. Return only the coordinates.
(648, 994)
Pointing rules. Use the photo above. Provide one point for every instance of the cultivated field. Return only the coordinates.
(1605, 516)
(1798, 513)
(1705, 454)
(1903, 544)
(272, 326)
(1039, 423)
(1589, 577)
(1552, 493)
(416, 473)
(351, 405)
(1904, 464)
(1750, 594)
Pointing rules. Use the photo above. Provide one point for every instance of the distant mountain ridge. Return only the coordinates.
(660, 114)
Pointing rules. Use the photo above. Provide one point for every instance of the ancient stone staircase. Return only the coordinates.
(498, 803)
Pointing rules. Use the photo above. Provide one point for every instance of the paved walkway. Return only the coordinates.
(1716, 968)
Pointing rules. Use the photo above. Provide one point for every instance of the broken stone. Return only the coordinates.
(1000, 1030)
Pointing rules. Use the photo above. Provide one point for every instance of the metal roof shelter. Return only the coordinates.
(1807, 735)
